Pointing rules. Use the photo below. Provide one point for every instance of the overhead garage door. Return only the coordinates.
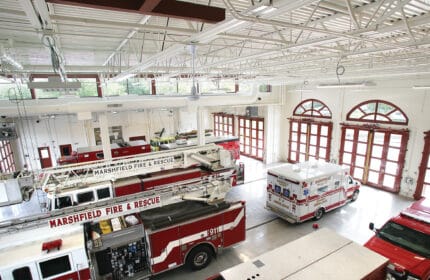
(375, 155)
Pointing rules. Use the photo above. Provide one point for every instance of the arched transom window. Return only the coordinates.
(312, 108)
(377, 111)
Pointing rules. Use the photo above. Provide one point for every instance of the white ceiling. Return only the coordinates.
(297, 41)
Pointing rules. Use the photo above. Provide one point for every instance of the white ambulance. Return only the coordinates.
(299, 192)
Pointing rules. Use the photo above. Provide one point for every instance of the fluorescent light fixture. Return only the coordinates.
(210, 34)
(269, 10)
(344, 85)
(9, 60)
(54, 83)
(122, 76)
(421, 87)
(259, 9)
(263, 9)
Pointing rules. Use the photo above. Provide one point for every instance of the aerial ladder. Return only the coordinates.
(80, 175)
(77, 176)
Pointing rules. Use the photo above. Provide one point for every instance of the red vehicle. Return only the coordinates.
(132, 246)
(405, 240)
(88, 154)
(230, 143)
(160, 239)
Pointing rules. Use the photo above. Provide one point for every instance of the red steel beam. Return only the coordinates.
(149, 5)
(164, 8)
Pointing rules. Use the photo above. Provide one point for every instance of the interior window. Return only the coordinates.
(103, 193)
(54, 266)
(62, 202)
(85, 197)
(22, 273)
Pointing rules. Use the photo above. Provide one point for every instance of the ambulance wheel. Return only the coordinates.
(355, 195)
(199, 257)
(319, 213)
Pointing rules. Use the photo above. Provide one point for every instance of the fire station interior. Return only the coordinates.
(343, 82)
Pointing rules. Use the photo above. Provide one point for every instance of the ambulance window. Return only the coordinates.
(62, 202)
(286, 192)
(322, 189)
(85, 197)
(103, 193)
(277, 189)
(22, 273)
(55, 266)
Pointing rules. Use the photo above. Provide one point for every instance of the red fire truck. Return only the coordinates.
(230, 143)
(405, 240)
(87, 154)
(104, 180)
(132, 246)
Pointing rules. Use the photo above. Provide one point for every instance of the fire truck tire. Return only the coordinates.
(355, 195)
(319, 213)
(199, 257)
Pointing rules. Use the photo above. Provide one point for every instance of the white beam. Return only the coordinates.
(128, 37)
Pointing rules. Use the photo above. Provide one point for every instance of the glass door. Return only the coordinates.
(251, 135)
(375, 156)
(309, 140)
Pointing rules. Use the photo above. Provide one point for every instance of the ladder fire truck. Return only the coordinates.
(133, 246)
(129, 237)
(171, 174)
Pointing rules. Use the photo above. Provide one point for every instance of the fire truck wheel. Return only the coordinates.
(355, 195)
(319, 213)
(199, 257)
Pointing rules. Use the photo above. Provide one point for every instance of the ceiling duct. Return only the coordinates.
(55, 83)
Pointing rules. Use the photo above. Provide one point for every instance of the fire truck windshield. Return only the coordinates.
(406, 238)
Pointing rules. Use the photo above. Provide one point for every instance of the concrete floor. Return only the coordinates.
(265, 231)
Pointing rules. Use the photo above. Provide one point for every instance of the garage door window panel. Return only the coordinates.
(309, 138)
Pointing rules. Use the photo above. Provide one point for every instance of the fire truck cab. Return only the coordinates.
(299, 192)
(152, 241)
(405, 240)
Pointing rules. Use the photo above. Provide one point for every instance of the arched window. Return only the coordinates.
(312, 108)
(377, 111)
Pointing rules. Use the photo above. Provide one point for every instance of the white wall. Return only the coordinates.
(34, 132)
(414, 103)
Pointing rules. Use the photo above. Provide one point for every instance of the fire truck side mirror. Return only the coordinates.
(372, 226)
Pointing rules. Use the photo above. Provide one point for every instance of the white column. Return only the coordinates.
(272, 137)
(104, 134)
(200, 126)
